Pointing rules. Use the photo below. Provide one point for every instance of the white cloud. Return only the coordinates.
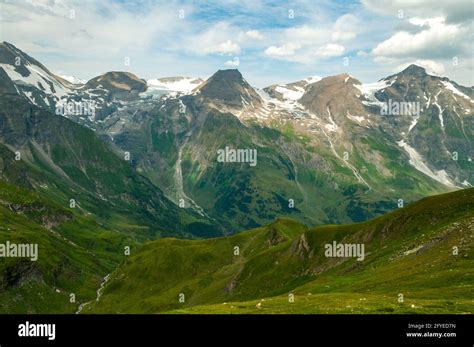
(254, 34)
(345, 28)
(285, 50)
(442, 32)
(341, 36)
(362, 53)
(80, 28)
(215, 39)
(330, 50)
(458, 11)
(306, 35)
(346, 22)
(308, 43)
(438, 40)
(234, 63)
(226, 47)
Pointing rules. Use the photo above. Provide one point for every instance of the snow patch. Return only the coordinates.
(358, 119)
(414, 122)
(440, 110)
(73, 79)
(333, 126)
(312, 79)
(416, 160)
(369, 90)
(290, 94)
(454, 90)
(465, 183)
(37, 78)
(178, 84)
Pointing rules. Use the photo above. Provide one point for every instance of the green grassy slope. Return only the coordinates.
(74, 253)
(408, 251)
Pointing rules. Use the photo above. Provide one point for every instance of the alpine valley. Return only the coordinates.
(118, 182)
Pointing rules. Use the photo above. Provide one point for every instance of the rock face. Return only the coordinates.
(333, 96)
(301, 248)
(117, 82)
(229, 88)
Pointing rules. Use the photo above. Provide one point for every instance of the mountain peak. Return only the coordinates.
(9, 54)
(228, 73)
(118, 80)
(230, 88)
(8, 45)
(413, 69)
(227, 76)
(334, 93)
(19, 66)
(118, 75)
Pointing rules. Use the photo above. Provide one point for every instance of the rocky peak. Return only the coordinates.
(230, 88)
(334, 93)
(118, 81)
(11, 55)
(414, 70)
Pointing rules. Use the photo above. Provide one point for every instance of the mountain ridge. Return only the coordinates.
(319, 140)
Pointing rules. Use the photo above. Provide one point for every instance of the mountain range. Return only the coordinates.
(96, 167)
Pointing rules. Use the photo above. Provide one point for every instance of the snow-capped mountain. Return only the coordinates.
(26, 76)
(174, 84)
(320, 139)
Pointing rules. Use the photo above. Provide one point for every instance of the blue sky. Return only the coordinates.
(268, 41)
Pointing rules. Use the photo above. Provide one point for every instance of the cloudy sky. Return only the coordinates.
(268, 41)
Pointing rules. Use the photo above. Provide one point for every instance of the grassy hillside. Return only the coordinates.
(74, 253)
(408, 251)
